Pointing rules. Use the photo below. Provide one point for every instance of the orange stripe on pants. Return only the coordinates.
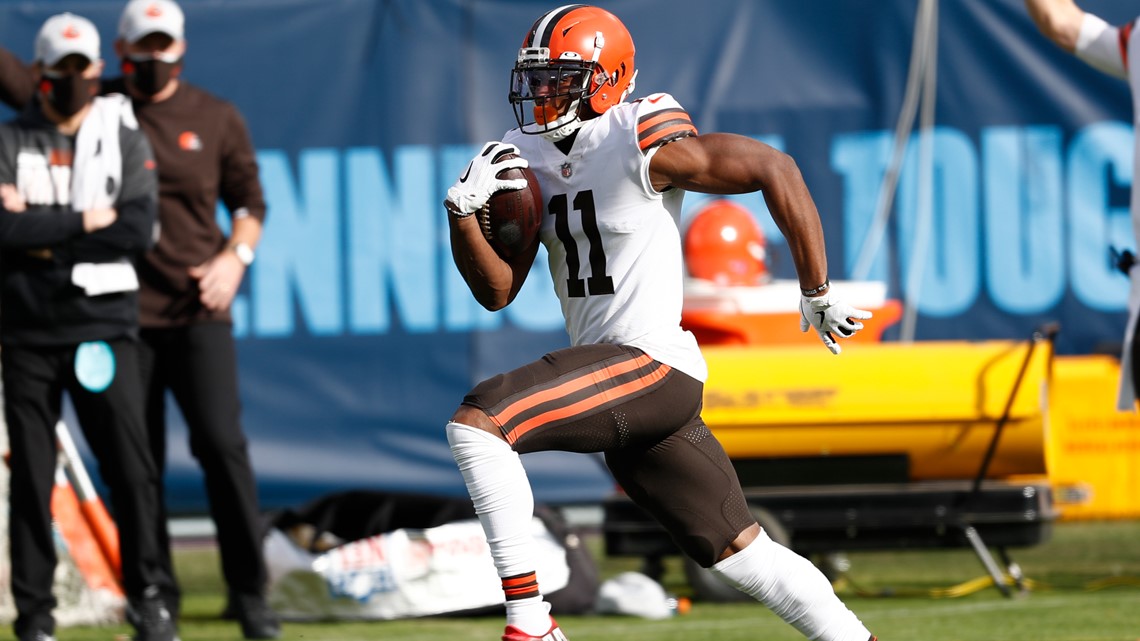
(569, 387)
(586, 404)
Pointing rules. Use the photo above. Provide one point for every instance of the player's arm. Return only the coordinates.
(1088, 36)
(731, 164)
(493, 281)
(718, 163)
(1059, 20)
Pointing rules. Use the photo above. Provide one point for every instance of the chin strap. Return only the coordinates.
(629, 89)
(554, 135)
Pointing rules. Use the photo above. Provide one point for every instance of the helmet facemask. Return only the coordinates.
(548, 95)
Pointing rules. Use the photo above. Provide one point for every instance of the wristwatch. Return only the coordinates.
(244, 253)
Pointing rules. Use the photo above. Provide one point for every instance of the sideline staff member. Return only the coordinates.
(77, 206)
(188, 282)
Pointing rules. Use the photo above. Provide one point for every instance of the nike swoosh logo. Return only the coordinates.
(467, 173)
(821, 317)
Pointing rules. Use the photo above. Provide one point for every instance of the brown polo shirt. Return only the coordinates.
(204, 154)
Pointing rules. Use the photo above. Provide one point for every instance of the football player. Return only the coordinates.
(1107, 48)
(612, 174)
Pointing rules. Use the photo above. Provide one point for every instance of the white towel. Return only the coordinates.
(97, 171)
(96, 181)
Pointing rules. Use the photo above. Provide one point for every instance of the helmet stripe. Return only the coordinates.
(543, 29)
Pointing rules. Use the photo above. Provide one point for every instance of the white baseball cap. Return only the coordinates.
(143, 17)
(65, 34)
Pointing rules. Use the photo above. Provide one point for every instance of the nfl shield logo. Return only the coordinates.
(567, 170)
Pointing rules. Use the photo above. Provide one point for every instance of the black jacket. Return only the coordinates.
(39, 305)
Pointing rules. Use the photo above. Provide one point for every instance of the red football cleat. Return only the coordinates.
(553, 634)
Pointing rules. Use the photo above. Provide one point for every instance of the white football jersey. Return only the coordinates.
(613, 241)
(1115, 50)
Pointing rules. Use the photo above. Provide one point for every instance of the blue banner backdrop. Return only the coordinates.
(357, 337)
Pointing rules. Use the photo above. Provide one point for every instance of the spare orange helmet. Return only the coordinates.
(724, 244)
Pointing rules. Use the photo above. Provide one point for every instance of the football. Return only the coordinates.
(512, 218)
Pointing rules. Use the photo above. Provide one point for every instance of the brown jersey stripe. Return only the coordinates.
(605, 396)
(667, 135)
(663, 126)
(645, 133)
(657, 117)
(563, 387)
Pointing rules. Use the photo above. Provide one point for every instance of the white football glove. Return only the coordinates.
(830, 316)
(470, 193)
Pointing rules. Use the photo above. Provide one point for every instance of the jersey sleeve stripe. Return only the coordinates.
(650, 119)
(664, 126)
(670, 134)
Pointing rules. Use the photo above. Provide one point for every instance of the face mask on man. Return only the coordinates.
(67, 94)
(149, 74)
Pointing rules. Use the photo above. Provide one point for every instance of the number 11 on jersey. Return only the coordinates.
(599, 282)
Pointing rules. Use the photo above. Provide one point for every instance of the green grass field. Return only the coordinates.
(1065, 604)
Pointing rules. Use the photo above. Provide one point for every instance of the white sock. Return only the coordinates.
(793, 588)
(500, 490)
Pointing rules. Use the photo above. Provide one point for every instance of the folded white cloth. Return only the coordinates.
(97, 171)
(96, 182)
(97, 279)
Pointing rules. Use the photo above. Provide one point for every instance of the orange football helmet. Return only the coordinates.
(724, 244)
(573, 56)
